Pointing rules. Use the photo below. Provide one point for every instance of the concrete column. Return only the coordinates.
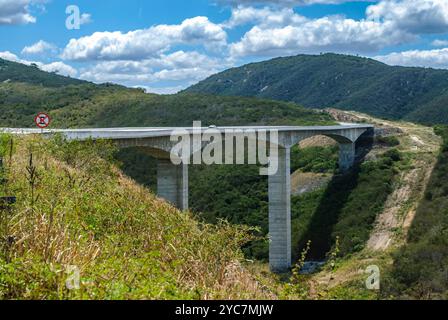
(172, 183)
(280, 214)
(347, 152)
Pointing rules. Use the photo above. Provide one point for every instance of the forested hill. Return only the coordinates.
(16, 72)
(27, 90)
(340, 81)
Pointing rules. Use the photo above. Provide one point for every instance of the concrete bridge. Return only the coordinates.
(172, 180)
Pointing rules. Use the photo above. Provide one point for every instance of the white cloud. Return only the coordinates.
(181, 59)
(38, 48)
(332, 33)
(162, 90)
(16, 11)
(415, 16)
(281, 31)
(440, 43)
(287, 3)
(57, 67)
(7, 55)
(86, 18)
(180, 66)
(437, 58)
(263, 17)
(146, 43)
(191, 74)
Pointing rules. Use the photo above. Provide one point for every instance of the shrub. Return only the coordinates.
(389, 141)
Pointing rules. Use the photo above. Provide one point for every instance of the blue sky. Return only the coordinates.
(167, 45)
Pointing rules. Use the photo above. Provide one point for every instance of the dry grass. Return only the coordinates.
(126, 243)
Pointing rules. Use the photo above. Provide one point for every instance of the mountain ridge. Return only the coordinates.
(340, 81)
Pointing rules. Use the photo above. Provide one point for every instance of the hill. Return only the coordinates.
(81, 216)
(73, 103)
(340, 81)
(16, 72)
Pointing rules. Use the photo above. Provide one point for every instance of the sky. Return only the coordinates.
(165, 46)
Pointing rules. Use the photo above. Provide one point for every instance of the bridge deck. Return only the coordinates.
(123, 133)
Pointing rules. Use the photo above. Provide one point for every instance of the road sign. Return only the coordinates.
(42, 120)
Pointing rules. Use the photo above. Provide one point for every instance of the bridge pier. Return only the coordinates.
(172, 183)
(280, 214)
(347, 154)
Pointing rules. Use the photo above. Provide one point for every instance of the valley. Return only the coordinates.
(95, 208)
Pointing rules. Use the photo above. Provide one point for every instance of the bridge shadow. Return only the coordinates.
(326, 215)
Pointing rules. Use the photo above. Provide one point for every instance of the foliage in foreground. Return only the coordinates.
(79, 212)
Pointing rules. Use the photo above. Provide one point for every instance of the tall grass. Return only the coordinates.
(126, 243)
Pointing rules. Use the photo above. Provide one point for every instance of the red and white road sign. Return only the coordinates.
(42, 120)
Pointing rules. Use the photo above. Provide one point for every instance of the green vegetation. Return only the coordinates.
(17, 72)
(346, 209)
(236, 193)
(76, 208)
(89, 105)
(388, 141)
(373, 185)
(25, 91)
(240, 195)
(340, 81)
(420, 269)
(82, 214)
(315, 159)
